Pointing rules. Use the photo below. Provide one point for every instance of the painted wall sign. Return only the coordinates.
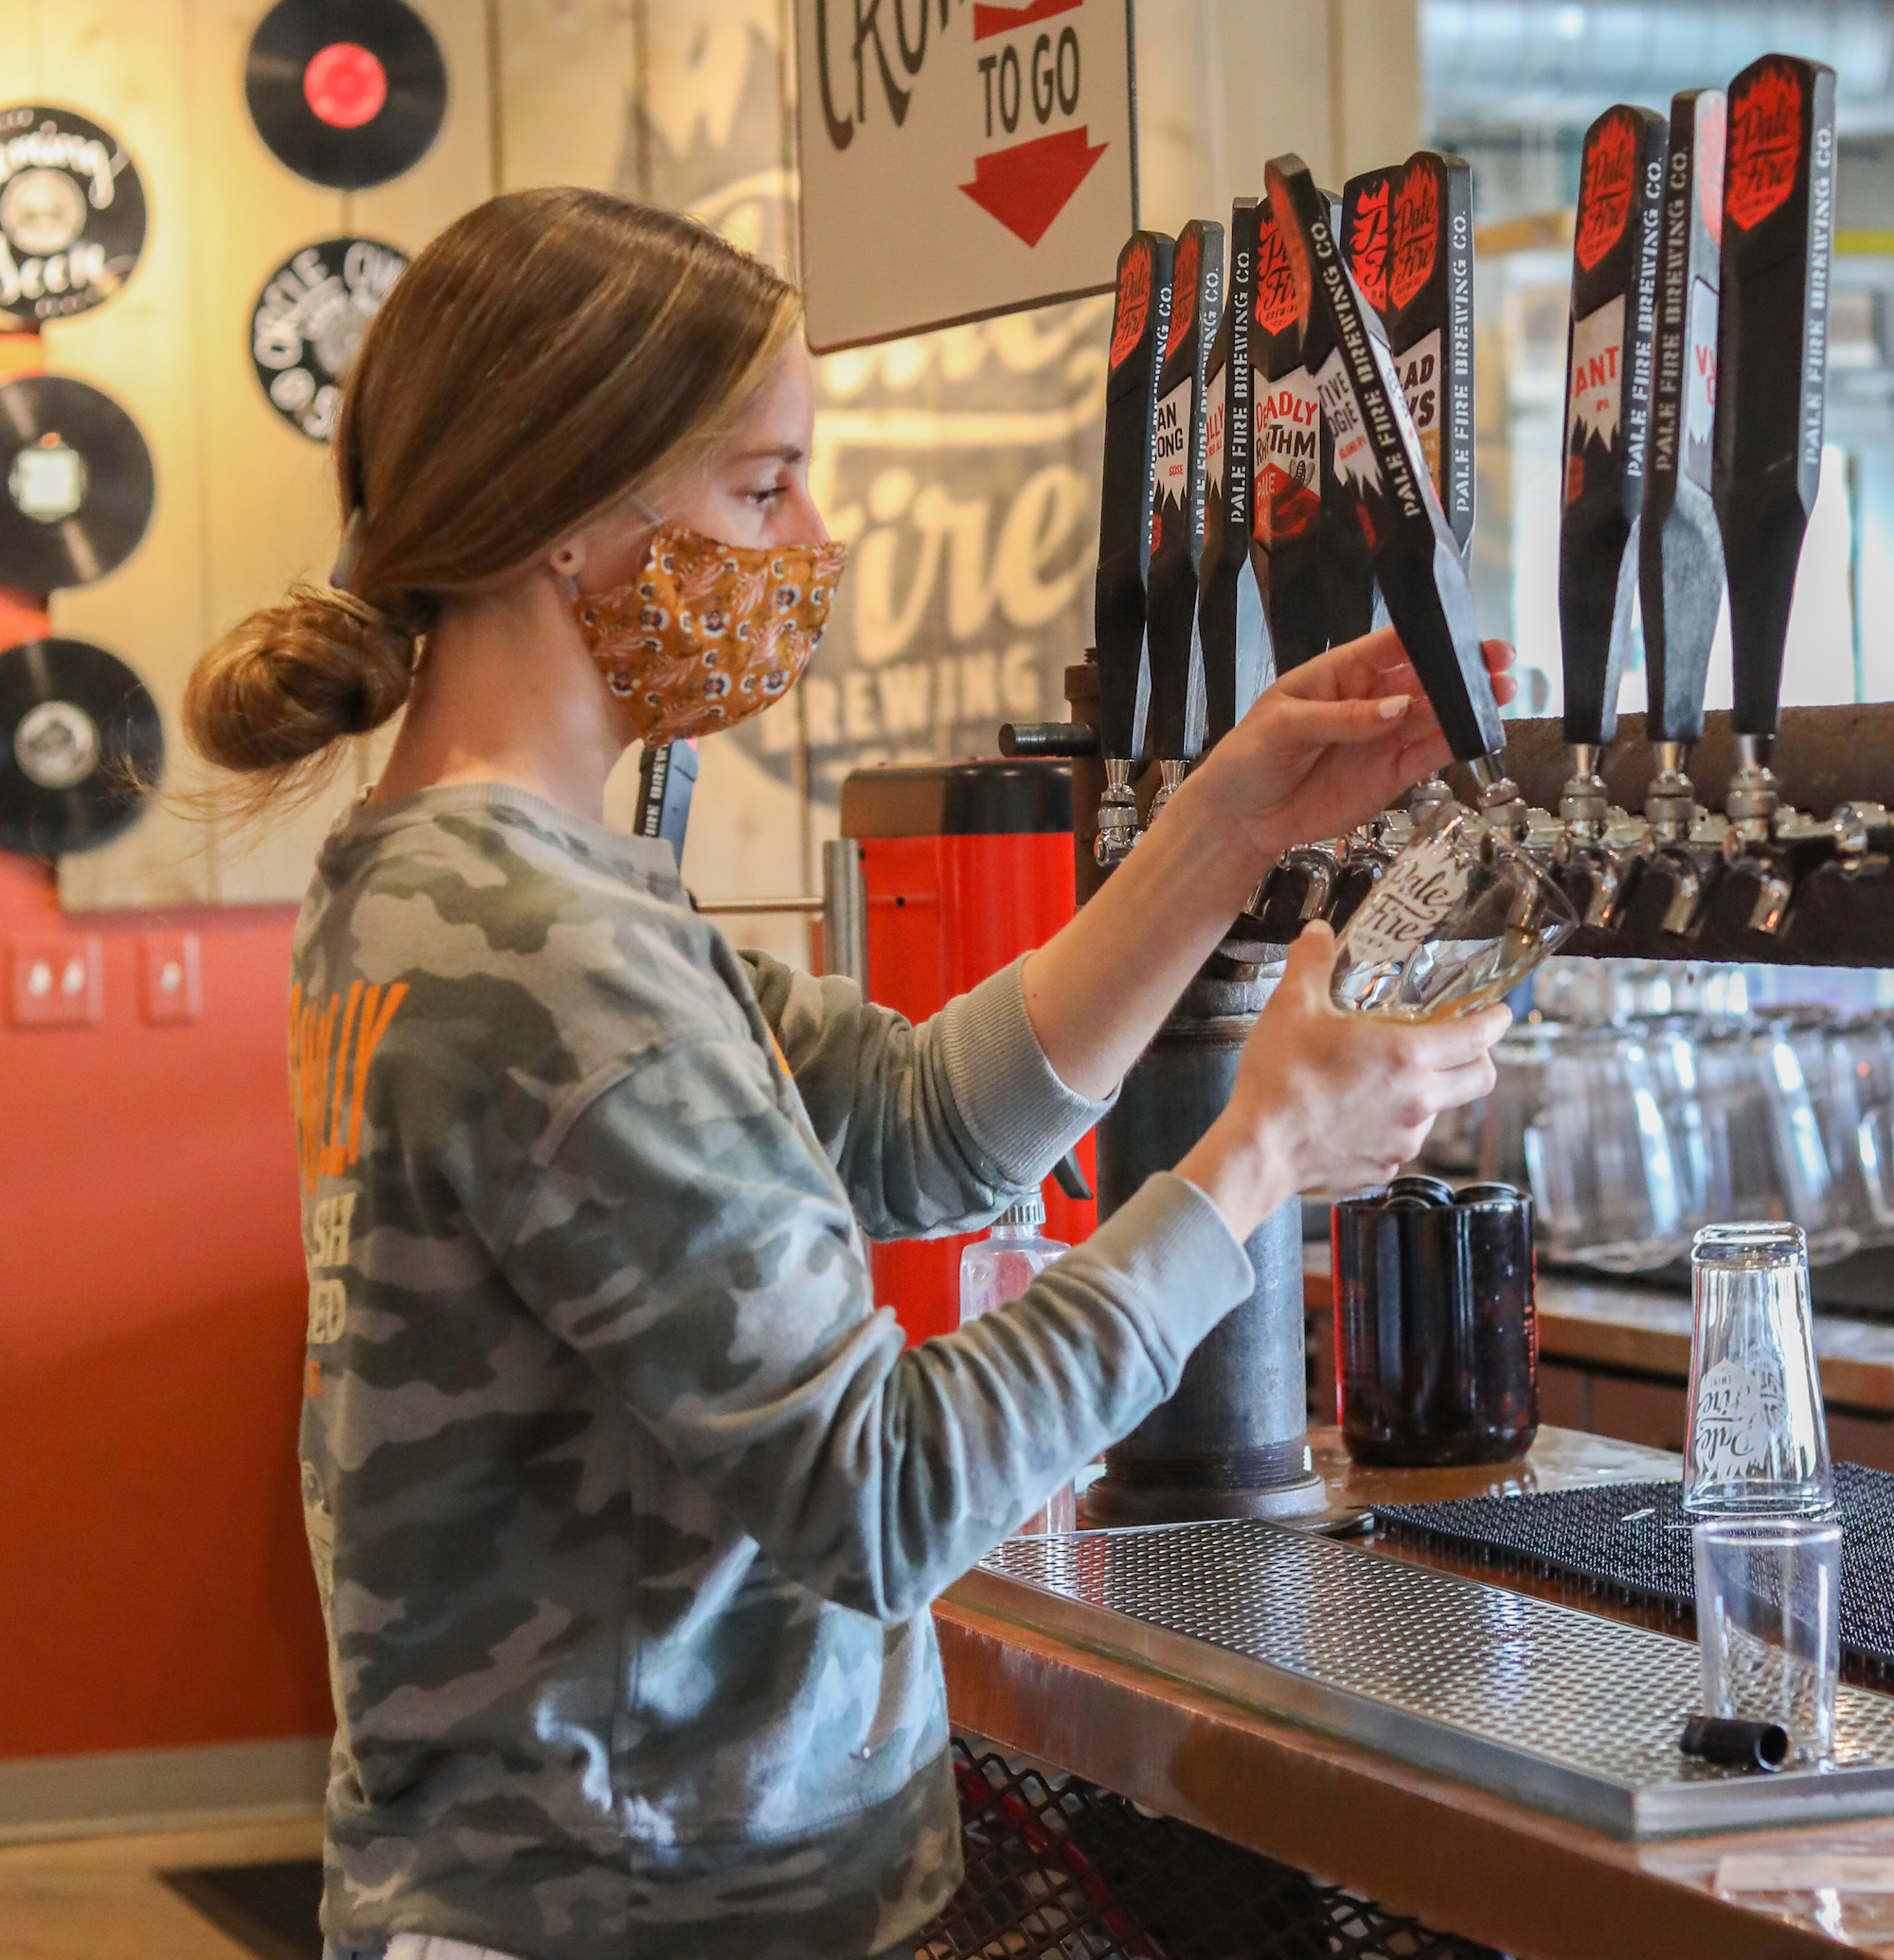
(960, 158)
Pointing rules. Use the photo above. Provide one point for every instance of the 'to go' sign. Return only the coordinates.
(960, 158)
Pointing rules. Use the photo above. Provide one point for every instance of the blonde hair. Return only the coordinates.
(547, 353)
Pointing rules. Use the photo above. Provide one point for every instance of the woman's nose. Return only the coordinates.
(803, 523)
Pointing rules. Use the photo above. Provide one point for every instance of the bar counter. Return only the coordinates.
(1459, 1858)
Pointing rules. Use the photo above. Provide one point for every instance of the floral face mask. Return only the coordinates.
(708, 634)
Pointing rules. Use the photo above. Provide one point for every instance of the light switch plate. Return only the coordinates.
(58, 983)
(171, 977)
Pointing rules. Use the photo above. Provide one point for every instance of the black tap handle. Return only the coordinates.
(1177, 495)
(1680, 555)
(1771, 366)
(1230, 627)
(1408, 234)
(1607, 408)
(1378, 456)
(1286, 517)
(1141, 320)
(1351, 602)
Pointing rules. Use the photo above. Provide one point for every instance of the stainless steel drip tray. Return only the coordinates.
(1563, 1710)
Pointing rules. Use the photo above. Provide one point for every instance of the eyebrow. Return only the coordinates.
(783, 451)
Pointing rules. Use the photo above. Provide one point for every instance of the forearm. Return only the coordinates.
(1098, 989)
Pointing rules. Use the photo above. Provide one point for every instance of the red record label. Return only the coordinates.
(1712, 125)
(1414, 234)
(344, 85)
(1604, 188)
(1133, 303)
(1765, 144)
(1184, 292)
(1367, 244)
(1276, 309)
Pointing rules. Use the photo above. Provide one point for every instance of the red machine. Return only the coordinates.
(965, 867)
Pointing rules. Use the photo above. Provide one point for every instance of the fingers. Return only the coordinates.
(1451, 1044)
(1455, 1087)
(1345, 672)
(1311, 958)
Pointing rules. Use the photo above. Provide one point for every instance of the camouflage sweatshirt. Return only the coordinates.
(626, 1502)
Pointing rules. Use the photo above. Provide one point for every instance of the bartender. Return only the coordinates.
(625, 1499)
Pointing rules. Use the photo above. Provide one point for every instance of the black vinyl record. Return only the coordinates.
(76, 483)
(72, 215)
(309, 319)
(81, 747)
(346, 93)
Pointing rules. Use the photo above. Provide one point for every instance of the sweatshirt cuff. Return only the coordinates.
(1170, 1260)
(1009, 1099)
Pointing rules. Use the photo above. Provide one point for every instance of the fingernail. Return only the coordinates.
(1394, 705)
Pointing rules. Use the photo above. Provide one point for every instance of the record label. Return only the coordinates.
(79, 485)
(81, 747)
(72, 215)
(309, 321)
(346, 93)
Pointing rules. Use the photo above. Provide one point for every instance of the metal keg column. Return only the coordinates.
(1233, 1441)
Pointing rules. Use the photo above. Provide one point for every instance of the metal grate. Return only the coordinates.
(1635, 1540)
(1562, 1709)
(1059, 1869)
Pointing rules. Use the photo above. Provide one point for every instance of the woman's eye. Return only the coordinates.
(764, 498)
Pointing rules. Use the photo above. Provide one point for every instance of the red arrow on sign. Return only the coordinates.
(1026, 188)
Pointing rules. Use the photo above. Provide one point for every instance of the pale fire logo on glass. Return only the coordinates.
(1421, 887)
(1737, 1413)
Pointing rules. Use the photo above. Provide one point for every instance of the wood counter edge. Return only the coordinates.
(1451, 1855)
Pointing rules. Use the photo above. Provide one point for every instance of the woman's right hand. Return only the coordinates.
(1328, 1101)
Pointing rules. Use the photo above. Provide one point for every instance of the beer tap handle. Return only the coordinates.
(1140, 322)
(1680, 555)
(1607, 414)
(1286, 512)
(1177, 504)
(1231, 626)
(1378, 459)
(1778, 229)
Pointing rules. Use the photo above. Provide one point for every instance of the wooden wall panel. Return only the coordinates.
(129, 67)
(566, 88)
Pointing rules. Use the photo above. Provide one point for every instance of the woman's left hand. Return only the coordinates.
(1332, 743)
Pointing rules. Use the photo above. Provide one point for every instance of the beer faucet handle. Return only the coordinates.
(1118, 816)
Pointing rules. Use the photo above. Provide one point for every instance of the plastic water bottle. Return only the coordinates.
(999, 1268)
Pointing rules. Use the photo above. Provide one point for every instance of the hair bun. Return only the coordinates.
(279, 688)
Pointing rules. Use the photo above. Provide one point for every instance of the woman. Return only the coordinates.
(626, 1503)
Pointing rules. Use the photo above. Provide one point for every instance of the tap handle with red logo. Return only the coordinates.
(1407, 231)
(1680, 555)
(1771, 366)
(1177, 459)
(1380, 463)
(1231, 632)
(1607, 408)
(1286, 510)
(1140, 321)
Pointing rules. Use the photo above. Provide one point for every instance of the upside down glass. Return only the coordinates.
(1755, 1436)
(1455, 924)
(1769, 1624)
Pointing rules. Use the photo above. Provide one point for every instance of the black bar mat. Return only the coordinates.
(269, 1910)
(1635, 1539)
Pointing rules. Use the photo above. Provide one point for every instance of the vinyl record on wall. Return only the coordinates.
(309, 319)
(346, 93)
(81, 747)
(72, 215)
(78, 483)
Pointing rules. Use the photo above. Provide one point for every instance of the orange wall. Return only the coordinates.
(154, 1587)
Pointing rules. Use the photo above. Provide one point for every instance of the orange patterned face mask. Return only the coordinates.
(708, 634)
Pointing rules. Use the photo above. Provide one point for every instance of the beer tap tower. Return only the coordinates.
(1608, 353)
(1233, 1440)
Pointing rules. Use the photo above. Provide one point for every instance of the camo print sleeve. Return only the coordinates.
(931, 1129)
(687, 1242)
